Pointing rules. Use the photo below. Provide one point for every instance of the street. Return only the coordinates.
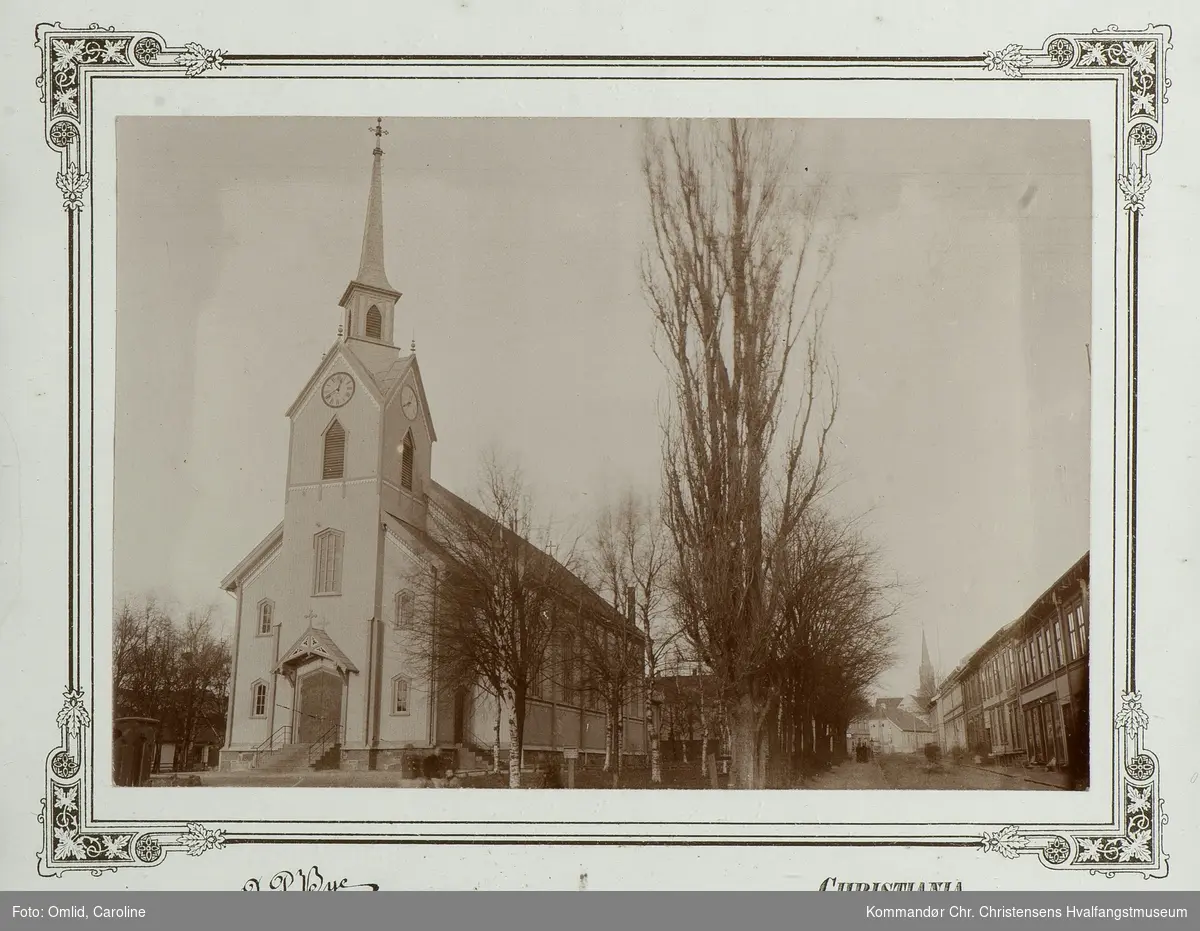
(907, 771)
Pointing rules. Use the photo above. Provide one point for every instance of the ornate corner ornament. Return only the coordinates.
(78, 837)
(72, 840)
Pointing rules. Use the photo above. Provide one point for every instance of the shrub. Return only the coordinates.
(431, 766)
(933, 753)
(553, 778)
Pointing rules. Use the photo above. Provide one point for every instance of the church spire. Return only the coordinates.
(370, 267)
(928, 679)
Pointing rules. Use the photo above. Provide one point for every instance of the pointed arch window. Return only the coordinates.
(406, 461)
(404, 609)
(399, 695)
(266, 616)
(327, 569)
(374, 325)
(258, 696)
(334, 459)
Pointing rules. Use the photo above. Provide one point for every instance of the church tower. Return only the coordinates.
(312, 664)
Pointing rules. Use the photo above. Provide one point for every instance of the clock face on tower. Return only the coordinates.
(408, 402)
(338, 389)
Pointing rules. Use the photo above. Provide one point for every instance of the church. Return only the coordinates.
(318, 671)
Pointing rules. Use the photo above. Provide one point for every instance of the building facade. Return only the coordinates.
(889, 728)
(1024, 693)
(319, 654)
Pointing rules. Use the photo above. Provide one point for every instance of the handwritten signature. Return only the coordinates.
(309, 880)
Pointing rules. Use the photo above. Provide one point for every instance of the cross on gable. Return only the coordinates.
(311, 617)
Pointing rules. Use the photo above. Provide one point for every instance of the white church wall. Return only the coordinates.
(255, 656)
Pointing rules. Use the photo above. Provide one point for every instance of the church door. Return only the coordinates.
(320, 705)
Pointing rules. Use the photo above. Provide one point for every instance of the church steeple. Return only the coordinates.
(370, 300)
(370, 267)
(926, 673)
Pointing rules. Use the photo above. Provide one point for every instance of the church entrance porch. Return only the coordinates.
(318, 705)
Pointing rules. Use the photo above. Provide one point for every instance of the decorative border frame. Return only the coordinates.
(75, 837)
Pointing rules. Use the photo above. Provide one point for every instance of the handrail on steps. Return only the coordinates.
(281, 737)
(331, 737)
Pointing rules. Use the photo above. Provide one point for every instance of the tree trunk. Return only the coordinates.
(652, 737)
(607, 741)
(746, 765)
(514, 745)
(496, 742)
(703, 739)
(619, 744)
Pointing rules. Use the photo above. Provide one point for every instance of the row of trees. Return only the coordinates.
(170, 666)
(743, 567)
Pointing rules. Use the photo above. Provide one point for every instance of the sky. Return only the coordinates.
(959, 318)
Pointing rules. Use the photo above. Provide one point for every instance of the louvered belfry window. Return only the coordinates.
(335, 452)
(406, 462)
(374, 324)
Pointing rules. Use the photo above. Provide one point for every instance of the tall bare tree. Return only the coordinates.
(734, 275)
(630, 561)
(489, 604)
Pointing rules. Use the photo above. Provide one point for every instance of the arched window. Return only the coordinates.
(258, 694)
(327, 570)
(374, 324)
(334, 463)
(404, 607)
(266, 616)
(406, 461)
(399, 695)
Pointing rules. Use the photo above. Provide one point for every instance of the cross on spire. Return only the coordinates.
(311, 617)
(378, 132)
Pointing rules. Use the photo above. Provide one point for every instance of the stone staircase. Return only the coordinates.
(289, 758)
(473, 760)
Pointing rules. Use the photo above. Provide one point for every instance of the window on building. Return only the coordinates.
(1083, 631)
(1073, 635)
(400, 695)
(258, 693)
(406, 461)
(328, 562)
(266, 616)
(334, 462)
(403, 611)
(1058, 645)
(1042, 668)
(374, 324)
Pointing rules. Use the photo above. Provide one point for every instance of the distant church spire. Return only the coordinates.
(370, 267)
(928, 681)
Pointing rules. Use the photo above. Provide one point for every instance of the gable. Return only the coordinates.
(337, 356)
(410, 373)
(269, 544)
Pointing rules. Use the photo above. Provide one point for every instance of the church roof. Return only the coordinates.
(316, 642)
(441, 498)
(268, 543)
(385, 363)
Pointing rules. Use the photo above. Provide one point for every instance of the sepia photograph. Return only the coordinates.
(761, 455)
